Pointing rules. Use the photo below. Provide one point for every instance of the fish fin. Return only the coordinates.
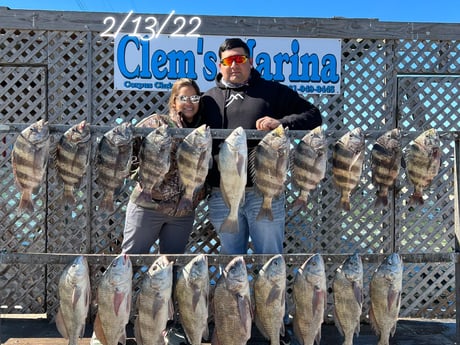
(318, 337)
(60, 325)
(242, 310)
(265, 210)
(241, 164)
(355, 158)
(274, 294)
(170, 309)
(229, 226)
(252, 163)
(117, 300)
(358, 292)
(392, 298)
(68, 197)
(300, 204)
(195, 298)
(282, 329)
(25, 203)
(416, 199)
(382, 200)
(373, 321)
(345, 203)
(76, 294)
(337, 323)
(98, 330)
(318, 299)
(137, 332)
(107, 203)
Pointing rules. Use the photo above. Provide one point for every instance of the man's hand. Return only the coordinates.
(267, 123)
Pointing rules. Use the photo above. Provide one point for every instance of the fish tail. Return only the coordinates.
(230, 226)
(107, 204)
(26, 202)
(265, 211)
(68, 197)
(345, 203)
(382, 200)
(416, 199)
(300, 205)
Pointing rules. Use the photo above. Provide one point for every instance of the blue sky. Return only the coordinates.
(389, 10)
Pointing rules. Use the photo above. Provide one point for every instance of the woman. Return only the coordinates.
(158, 218)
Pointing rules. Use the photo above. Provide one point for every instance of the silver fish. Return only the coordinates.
(29, 160)
(193, 161)
(347, 164)
(270, 297)
(309, 165)
(154, 160)
(310, 298)
(232, 164)
(72, 158)
(347, 289)
(423, 159)
(114, 302)
(385, 163)
(154, 303)
(74, 300)
(232, 305)
(192, 295)
(269, 171)
(385, 294)
(114, 162)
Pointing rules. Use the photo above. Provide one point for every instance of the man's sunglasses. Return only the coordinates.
(239, 59)
(193, 99)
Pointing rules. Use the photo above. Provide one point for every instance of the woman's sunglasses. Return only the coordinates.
(239, 59)
(193, 99)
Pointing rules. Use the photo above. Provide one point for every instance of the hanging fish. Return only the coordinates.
(423, 160)
(347, 164)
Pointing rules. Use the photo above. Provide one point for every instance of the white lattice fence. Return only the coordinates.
(67, 76)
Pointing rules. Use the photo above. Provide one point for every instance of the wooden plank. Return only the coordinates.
(238, 26)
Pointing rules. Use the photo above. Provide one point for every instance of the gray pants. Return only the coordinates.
(143, 227)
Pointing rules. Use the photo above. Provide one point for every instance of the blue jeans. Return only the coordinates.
(267, 236)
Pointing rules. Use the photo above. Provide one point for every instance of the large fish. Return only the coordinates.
(232, 164)
(385, 164)
(232, 305)
(269, 299)
(72, 158)
(385, 295)
(310, 297)
(74, 300)
(309, 164)
(154, 303)
(423, 159)
(29, 160)
(270, 167)
(154, 160)
(193, 161)
(347, 288)
(192, 294)
(114, 162)
(347, 164)
(114, 302)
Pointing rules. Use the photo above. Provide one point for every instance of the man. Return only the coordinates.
(243, 98)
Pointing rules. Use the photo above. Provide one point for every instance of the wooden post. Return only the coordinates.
(457, 233)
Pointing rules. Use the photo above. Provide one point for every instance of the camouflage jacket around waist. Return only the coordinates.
(166, 197)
